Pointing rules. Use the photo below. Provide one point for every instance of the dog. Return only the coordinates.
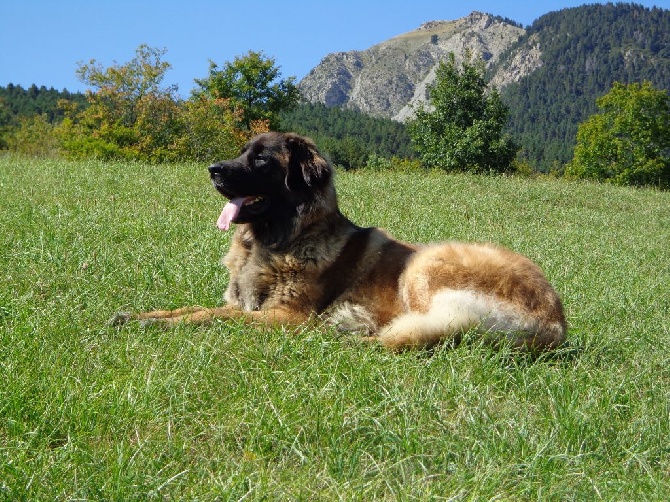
(295, 258)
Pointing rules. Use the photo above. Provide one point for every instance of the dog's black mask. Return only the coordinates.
(277, 176)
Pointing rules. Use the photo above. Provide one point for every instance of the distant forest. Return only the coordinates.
(17, 102)
(349, 136)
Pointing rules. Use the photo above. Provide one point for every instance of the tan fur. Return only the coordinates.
(322, 266)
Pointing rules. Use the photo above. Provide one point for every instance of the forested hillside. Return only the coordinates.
(584, 51)
(15, 102)
(348, 136)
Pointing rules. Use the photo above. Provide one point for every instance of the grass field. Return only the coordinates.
(228, 412)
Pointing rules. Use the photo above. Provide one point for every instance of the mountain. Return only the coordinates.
(387, 79)
(549, 74)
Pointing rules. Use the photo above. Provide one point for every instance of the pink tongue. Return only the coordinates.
(230, 211)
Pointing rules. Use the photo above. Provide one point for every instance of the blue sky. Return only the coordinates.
(41, 41)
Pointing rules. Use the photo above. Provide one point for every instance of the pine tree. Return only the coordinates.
(464, 129)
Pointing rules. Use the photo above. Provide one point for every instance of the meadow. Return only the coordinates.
(232, 412)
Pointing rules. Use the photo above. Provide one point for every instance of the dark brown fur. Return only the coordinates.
(294, 258)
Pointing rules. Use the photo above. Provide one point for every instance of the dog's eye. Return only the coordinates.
(261, 161)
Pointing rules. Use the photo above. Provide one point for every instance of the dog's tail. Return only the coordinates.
(416, 330)
(454, 313)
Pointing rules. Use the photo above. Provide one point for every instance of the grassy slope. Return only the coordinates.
(92, 412)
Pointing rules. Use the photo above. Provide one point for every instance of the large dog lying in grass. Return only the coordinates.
(294, 257)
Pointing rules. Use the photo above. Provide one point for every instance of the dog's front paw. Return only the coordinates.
(119, 319)
(146, 322)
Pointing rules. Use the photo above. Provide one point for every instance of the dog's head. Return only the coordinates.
(276, 180)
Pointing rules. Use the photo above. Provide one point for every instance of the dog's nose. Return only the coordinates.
(215, 169)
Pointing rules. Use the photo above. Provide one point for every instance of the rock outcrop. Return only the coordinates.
(390, 78)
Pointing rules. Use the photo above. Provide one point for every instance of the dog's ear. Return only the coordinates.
(307, 167)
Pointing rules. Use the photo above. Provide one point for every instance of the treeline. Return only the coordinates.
(584, 51)
(348, 136)
(17, 102)
(19, 105)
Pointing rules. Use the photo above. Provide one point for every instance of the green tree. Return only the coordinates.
(129, 114)
(348, 153)
(385, 137)
(120, 88)
(209, 131)
(628, 142)
(33, 136)
(253, 84)
(5, 120)
(463, 128)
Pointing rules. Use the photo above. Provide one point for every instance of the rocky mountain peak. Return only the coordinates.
(390, 78)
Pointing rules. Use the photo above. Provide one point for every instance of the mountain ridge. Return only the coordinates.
(404, 66)
(549, 73)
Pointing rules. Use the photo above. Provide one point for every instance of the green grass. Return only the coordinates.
(90, 412)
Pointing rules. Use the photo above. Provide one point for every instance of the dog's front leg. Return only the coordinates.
(201, 315)
(155, 316)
